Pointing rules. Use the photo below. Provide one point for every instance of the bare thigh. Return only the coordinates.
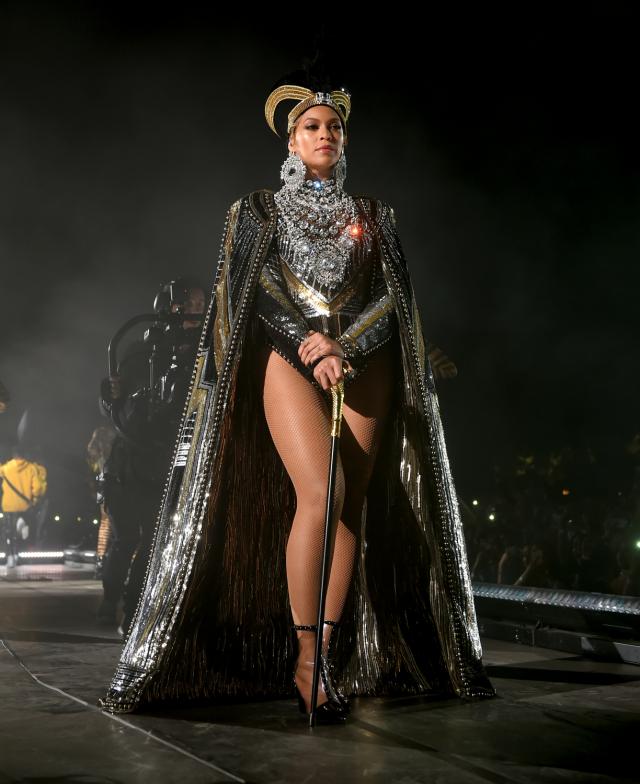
(366, 409)
(299, 419)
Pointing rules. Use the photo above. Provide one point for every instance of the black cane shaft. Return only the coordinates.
(337, 398)
(324, 577)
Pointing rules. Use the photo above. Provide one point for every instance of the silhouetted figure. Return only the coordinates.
(137, 466)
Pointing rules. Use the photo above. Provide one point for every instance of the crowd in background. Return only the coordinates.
(554, 521)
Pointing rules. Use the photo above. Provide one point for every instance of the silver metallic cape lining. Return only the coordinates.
(213, 618)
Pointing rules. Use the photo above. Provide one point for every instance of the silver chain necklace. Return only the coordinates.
(321, 222)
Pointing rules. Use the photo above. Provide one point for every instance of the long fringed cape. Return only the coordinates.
(213, 619)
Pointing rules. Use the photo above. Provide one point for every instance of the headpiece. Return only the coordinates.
(310, 86)
(340, 100)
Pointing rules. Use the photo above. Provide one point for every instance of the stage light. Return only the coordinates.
(79, 556)
(53, 556)
(57, 518)
(475, 502)
(492, 516)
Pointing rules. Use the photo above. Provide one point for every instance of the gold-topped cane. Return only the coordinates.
(337, 395)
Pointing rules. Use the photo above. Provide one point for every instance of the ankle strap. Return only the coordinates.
(313, 627)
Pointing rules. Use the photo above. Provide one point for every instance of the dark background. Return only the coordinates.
(506, 142)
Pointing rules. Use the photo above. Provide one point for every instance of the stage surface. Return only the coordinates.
(557, 717)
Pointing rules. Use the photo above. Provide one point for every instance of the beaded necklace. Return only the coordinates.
(322, 226)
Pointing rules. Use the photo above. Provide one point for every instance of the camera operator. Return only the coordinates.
(145, 399)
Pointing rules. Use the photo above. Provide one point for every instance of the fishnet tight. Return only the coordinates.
(299, 420)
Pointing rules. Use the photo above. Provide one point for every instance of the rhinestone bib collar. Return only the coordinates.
(322, 225)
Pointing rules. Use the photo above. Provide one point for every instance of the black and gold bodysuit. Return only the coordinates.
(357, 311)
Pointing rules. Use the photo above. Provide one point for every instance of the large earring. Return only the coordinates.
(293, 171)
(340, 172)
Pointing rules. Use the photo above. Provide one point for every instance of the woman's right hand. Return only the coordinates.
(315, 345)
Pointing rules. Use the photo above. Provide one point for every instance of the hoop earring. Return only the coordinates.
(340, 172)
(293, 171)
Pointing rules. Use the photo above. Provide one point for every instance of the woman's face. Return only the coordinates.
(318, 139)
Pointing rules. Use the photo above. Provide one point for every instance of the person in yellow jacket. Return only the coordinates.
(24, 483)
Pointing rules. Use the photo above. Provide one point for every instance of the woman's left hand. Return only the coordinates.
(329, 371)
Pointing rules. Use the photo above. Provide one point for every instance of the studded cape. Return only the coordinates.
(213, 619)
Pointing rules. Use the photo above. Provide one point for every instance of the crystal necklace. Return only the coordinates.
(321, 222)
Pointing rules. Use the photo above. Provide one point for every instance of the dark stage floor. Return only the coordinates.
(558, 718)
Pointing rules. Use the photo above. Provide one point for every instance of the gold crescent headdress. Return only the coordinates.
(340, 100)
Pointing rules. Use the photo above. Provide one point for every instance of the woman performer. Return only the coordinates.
(312, 288)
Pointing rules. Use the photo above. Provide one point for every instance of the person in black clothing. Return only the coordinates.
(145, 405)
(4, 398)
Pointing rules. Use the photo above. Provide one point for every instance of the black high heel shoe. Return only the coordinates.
(327, 666)
(333, 710)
